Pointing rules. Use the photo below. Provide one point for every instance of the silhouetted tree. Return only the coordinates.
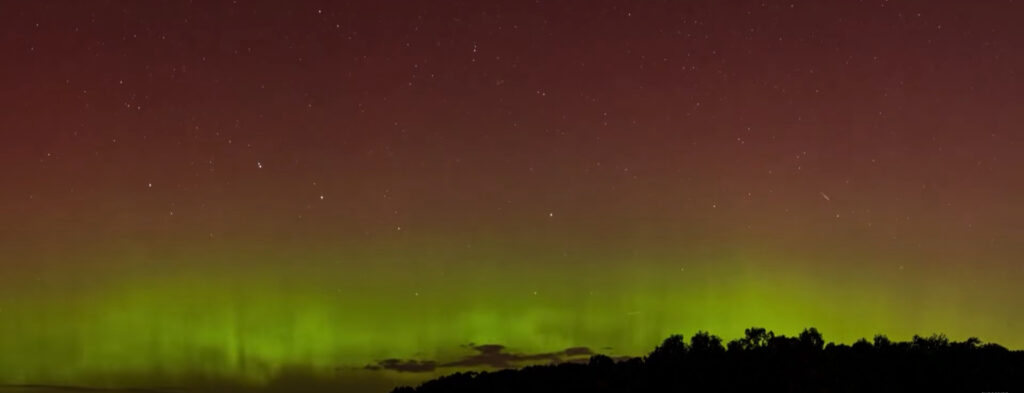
(764, 362)
(673, 349)
(810, 338)
(755, 337)
(933, 343)
(706, 343)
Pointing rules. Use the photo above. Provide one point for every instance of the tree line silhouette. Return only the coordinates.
(764, 362)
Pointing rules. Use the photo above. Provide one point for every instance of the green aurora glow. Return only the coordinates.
(174, 324)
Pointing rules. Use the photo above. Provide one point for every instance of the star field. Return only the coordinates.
(229, 189)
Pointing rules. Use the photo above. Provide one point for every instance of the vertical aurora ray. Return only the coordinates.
(175, 325)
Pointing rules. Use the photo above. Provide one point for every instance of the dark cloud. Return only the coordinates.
(578, 351)
(488, 348)
(487, 355)
(494, 356)
(411, 366)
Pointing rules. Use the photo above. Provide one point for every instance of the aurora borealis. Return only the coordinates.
(232, 191)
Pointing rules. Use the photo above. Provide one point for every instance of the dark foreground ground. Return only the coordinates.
(764, 362)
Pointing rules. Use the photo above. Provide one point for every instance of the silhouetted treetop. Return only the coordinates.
(762, 361)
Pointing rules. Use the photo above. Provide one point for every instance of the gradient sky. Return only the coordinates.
(238, 190)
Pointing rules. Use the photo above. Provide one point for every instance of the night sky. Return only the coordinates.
(238, 190)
